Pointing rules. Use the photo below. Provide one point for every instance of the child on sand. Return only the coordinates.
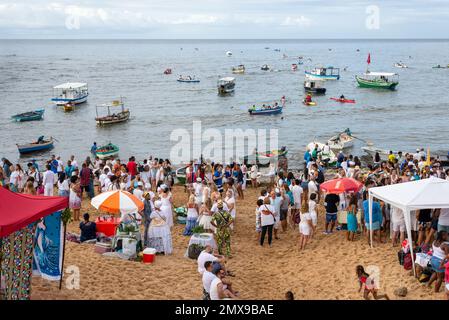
(369, 284)
(305, 226)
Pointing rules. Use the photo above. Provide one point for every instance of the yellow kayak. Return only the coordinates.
(313, 103)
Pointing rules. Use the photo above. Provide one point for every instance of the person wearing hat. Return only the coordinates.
(222, 221)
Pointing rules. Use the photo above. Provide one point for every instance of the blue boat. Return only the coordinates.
(266, 111)
(29, 116)
(39, 145)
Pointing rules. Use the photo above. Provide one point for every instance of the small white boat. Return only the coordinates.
(320, 73)
(226, 85)
(400, 65)
(70, 92)
(228, 53)
(341, 141)
(372, 150)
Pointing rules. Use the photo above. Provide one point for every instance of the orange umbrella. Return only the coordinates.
(341, 185)
(117, 202)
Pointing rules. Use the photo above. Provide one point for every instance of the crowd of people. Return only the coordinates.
(287, 200)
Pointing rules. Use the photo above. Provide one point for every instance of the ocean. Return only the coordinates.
(415, 115)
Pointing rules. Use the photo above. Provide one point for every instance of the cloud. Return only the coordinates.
(300, 21)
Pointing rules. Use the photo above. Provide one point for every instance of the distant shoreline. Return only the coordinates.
(237, 40)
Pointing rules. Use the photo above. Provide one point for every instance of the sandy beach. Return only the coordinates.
(325, 270)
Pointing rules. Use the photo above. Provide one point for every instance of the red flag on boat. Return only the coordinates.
(369, 58)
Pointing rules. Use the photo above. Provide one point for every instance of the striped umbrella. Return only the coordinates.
(117, 202)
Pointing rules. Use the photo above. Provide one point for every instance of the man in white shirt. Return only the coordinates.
(207, 278)
(398, 225)
(48, 181)
(60, 167)
(207, 255)
(417, 155)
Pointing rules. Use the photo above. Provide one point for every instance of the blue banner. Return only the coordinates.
(48, 246)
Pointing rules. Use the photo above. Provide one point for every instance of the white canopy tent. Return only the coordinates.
(432, 193)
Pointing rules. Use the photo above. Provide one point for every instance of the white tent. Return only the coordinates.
(432, 193)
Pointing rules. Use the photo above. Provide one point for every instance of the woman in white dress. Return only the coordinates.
(206, 192)
(206, 216)
(305, 226)
(244, 169)
(159, 236)
(253, 175)
(230, 202)
(166, 207)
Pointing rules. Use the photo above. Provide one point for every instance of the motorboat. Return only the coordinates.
(112, 117)
(226, 85)
(70, 92)
(378, 80)
(240, 69)
(321, 73)
(40, 145)
(314, 86)
(29, 116)
(324, 152)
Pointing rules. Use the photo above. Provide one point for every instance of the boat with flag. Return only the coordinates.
(29, 116)
(113, 117)
(377, 80)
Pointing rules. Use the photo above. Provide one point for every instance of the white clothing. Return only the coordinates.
(297, 192)
(60, 166)
(266, 219)
(139, 194)
(397, 216)
(208, 277)
(74, 164)
(304, 227)
(214, 208)
(312, 188)
(254, 172)
(192, 213)
(444, 217)
(166, 210)
(49, 178)
(213, 293)
(64, 186)
(203, 258)
(231, 201)
(312, 211)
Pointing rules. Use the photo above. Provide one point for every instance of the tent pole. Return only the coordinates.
(409, 236)
(370, 210)
(63, 257)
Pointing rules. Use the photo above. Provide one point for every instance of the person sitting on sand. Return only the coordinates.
(207, 279)
(88, 229)
(208, 255)
(368, 284)
(218, 289)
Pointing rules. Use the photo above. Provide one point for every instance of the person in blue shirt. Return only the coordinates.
(218, 178)
(33, 161)
(54, 164)
(307, 157)
(377, 219)
(94, 148)
(69, 169)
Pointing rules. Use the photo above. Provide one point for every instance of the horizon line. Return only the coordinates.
(232, 39)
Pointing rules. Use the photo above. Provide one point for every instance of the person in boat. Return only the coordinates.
(253, 107)
(264, 107)
(276, 105)
(308, 98)
(342, 97)
(283, 100)
(40, 140)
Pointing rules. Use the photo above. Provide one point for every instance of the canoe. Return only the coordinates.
(343, 100)
(189, 81)
(35, 146)
(107, 151)
(372, 150)
(267, 111)
(313, 103)
(116, 118)
(29, 116)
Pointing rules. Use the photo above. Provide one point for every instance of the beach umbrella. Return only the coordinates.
(341, 185)
(117, 202)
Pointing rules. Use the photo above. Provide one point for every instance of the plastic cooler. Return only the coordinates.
(148, 255)
(107, 227)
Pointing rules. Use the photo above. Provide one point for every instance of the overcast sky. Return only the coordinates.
(229, 19)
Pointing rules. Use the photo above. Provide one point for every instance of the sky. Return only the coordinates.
(224, 19)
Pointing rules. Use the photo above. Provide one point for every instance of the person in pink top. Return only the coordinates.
(132, 167)
(445, 264)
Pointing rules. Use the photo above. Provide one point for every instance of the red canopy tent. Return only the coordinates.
(19, 210)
